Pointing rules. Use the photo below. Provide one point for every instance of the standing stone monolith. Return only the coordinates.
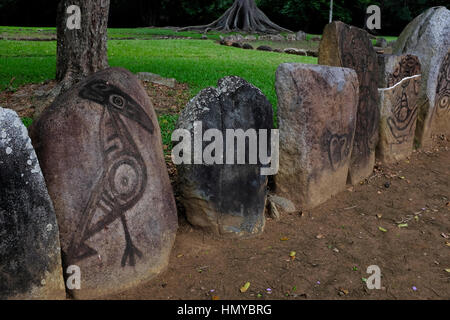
(30, 254)
(100, 149)
(220, 195)
(350, 47)
(428, 37)
(441, 120)
(399, 92)
(317, 108)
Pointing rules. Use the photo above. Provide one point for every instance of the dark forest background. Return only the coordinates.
(307, 15)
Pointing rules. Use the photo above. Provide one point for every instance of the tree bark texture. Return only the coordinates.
(243, 15)
(81, 52)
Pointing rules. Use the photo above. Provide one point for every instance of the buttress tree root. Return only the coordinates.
(243, 15)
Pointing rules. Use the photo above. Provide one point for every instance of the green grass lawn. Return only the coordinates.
(114, 33)
(196, 62)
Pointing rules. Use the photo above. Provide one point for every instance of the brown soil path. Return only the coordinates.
(334, 245)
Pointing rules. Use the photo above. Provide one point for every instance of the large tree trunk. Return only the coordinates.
(83, 51)
(244, 15)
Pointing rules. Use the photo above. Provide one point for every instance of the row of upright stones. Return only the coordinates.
(334, 119)
(109, 211)
(109, 208)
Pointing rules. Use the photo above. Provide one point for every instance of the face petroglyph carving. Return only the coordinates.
(408, 66)
(401, 124)
(443, 89)
(113, 99)
(124, 178)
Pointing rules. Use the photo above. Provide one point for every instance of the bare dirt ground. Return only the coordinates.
(334, 243)
(27, 98)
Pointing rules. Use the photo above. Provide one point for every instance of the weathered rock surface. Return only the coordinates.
(239, 38)
(300, 36)
(231, 38)
(381, 42)
(156, 78)
(100, 149)
(265, 37)
(226, 199)
(30, 255)
(298, 52)
(317, 118)
(264, 48)
(350, 47)
(312, 53)
(428, 37)
(399, 92)
(291, 37)
(441, 120)
(277, 37)
(273, 211)
(284, 204)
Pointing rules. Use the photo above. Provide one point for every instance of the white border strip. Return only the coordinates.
(399, 83)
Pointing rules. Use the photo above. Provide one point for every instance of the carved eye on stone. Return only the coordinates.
(117, 101)
(126, 179)
(334, 141)
(444, 102)
(100, 87)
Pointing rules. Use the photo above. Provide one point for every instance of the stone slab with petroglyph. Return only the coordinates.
(400, 80)
(441, 119)
(428, 37)
(317, 108)
(350, 47)
(100, 149)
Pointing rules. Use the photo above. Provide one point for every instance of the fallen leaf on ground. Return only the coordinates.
(447, 244)
(320, 236)
(284, 239)
(444, 235)
(403, 225)
(245, 287)
(447, 270)
(379, 216)
(344, 291)
(292, 255)
(201, 269)
(382, 229)
(215, 297)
